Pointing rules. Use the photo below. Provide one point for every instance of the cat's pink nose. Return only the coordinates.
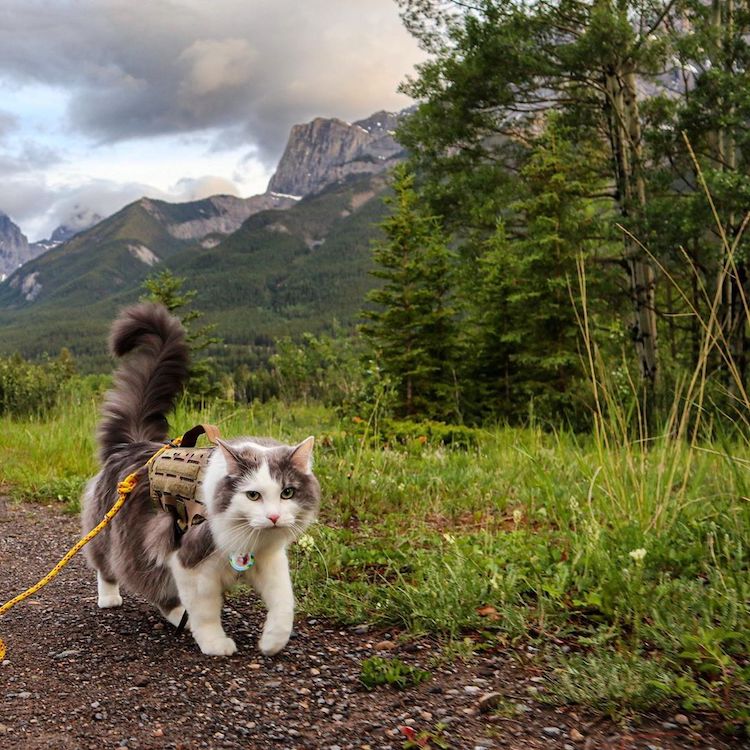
(273, 517)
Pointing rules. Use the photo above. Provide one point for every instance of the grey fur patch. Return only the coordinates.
(132, 549)
(224, 493)
(284, 471)
(196, 545)
(159, 539)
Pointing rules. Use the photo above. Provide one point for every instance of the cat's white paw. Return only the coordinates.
(219, 645)
(271, 643)
(107, 601)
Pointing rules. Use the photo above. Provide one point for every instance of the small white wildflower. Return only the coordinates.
(592, 531)
(637, 554)
(574, 505)
(449, 538)
(306, 542)
(517, 516)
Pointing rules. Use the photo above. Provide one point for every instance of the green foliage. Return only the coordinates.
(168, 289)
(28, 389)
(525, 347)
(377, 671)
(320, 368)
(416, 435)
(411, 328)
(610, 682)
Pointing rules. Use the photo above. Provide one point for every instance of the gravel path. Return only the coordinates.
(79, 677)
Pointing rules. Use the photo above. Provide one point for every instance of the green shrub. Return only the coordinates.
(28, 389)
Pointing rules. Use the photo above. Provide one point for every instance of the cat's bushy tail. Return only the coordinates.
(148, 381)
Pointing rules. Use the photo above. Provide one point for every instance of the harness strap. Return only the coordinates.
(190, 438)
(183, 622)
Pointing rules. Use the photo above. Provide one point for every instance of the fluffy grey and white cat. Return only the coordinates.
(259, 496)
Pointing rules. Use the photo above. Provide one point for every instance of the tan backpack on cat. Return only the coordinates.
(176, 475)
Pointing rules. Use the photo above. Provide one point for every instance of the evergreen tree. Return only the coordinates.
(527, 332)
(411, 325)
(712, 111)
(168, 289)
(498, 68)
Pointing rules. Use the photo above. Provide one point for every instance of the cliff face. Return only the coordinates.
(14, 247)
(324, 151)
(219, 214)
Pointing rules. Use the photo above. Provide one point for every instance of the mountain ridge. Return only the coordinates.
(272, 264)
(325, 150)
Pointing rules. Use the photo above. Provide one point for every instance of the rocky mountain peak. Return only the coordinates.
(14, 247)
(326, 150)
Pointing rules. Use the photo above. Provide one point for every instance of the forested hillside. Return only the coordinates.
(281, 273)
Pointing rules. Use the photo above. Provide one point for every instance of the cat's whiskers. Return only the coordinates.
(241, 536)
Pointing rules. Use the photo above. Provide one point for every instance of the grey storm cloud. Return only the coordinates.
(246, 68)
(8, 123)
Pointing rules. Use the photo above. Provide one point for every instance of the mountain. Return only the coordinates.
(323, 151)
(14, 247)
(123, 248)
(281, 273)
(294, 259)
(217, 215)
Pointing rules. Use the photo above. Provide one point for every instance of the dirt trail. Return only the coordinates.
(78, 677)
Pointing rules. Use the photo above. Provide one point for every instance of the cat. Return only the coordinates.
(259, 496)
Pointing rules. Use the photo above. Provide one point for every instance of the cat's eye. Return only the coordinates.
(253, 495)
(287, 492)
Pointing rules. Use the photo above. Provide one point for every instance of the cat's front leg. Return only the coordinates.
(271, 580)
(201, 593)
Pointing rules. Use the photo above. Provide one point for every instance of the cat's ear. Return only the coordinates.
(234, 462)
(301, 457)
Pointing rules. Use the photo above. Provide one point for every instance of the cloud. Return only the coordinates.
(215, 65)
(29, 157)
(252, 67)
(8, 123)
(38, 207)
(191, 189)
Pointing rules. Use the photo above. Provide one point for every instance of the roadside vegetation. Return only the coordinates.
(624, 563)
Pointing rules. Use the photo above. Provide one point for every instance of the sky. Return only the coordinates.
(104, 101)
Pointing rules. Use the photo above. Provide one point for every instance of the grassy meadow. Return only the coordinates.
(625, 565)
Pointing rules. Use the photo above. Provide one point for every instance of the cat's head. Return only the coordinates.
(268, 486)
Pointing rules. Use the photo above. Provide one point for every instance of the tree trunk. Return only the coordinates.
(625, 136)
(733, 314)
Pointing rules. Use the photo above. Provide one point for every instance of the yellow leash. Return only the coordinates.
(124, 489)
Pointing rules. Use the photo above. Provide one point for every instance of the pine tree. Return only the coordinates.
(527, 330)
(168, 289)
(411, 325)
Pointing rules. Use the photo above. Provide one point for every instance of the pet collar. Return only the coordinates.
(241, 563)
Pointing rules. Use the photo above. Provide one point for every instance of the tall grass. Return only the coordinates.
(623, 555)
(633, 555)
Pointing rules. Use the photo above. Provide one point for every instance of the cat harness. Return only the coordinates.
(176, 475)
